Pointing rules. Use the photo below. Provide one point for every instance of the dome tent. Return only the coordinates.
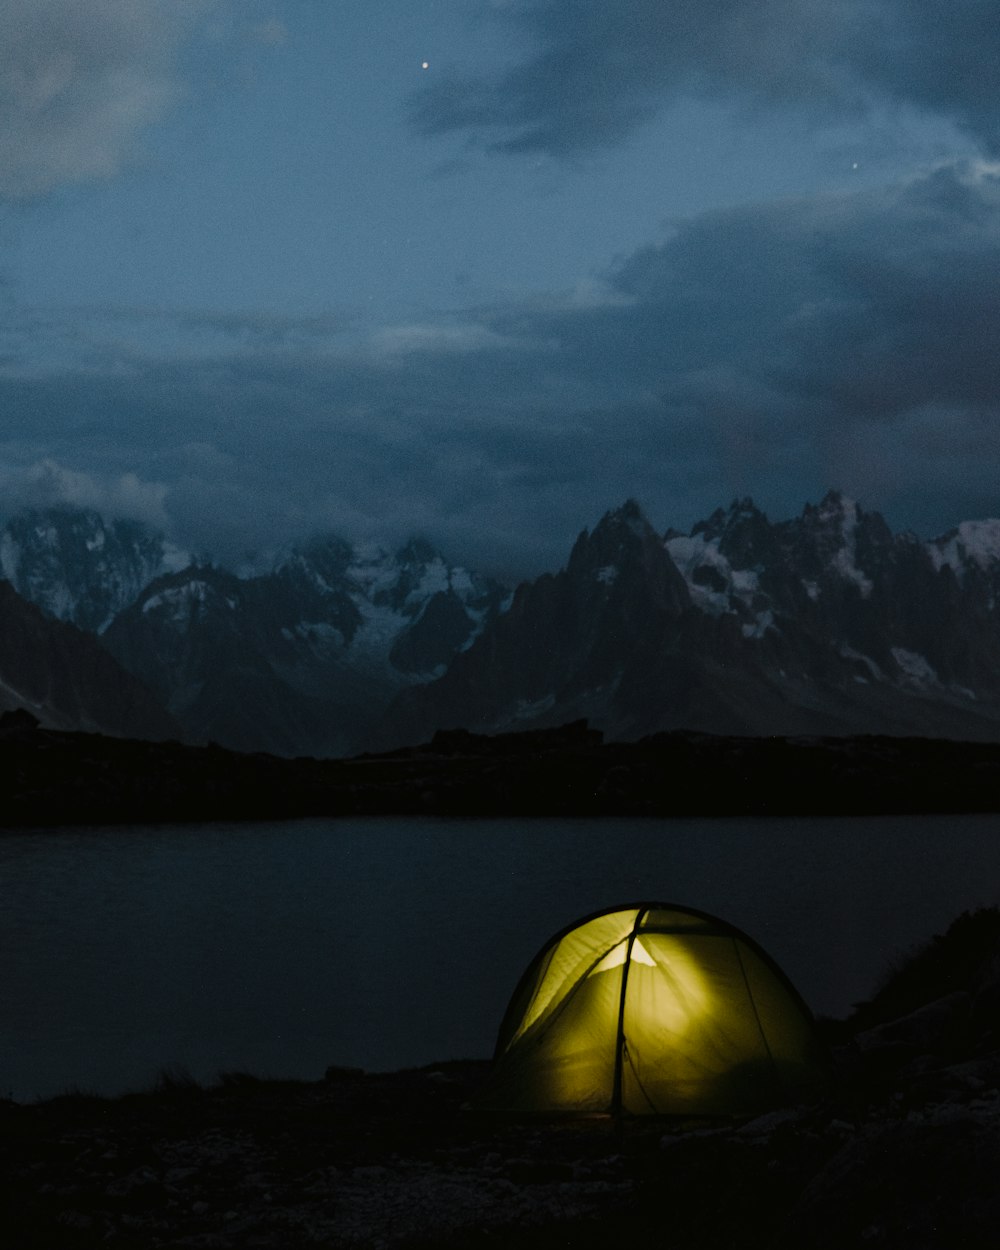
(654, 1009)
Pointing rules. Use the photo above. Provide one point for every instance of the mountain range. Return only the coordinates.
(826, 623)
(299, 659)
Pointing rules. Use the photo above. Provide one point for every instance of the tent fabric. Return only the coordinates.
(654, 1009)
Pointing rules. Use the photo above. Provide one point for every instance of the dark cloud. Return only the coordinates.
(598, 70)
(866, 305)
(775, 350)
(940, 57)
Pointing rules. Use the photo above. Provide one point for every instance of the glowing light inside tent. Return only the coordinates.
(572, 959)
(616, 957)
(666, 994)
(675, 992)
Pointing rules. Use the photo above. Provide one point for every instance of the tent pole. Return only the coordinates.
(616, 1088)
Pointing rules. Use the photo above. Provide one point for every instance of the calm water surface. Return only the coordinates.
(281, 948)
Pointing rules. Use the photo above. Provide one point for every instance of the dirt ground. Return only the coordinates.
(901, 1154)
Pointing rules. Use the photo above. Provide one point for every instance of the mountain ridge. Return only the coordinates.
(825, 623)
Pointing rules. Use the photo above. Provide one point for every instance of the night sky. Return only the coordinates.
(482, 269)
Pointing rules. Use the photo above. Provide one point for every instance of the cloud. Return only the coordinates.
(47, 483)
(399, 342)
(80, 80)
(598, 71)
(773, 350)
(851, 308)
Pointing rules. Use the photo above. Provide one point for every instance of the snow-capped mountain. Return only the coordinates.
(301, 660)
(826, 623)
(78, 567)
(909, 614)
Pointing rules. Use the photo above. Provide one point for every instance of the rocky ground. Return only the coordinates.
(903, 1152)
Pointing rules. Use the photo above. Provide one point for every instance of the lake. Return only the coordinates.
(281, 948)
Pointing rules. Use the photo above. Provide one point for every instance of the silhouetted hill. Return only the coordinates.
(63, 778)
(65, 678)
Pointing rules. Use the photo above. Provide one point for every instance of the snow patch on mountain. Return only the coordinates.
(844, 513)
(850, 653)
(436, 579)
(715, 586)
(378, 576)
(975, 542)
(916, 667)
(180, 601)
(372, 571)
(392, 590)
(381, 625)
(844, 563)
(758, 627)
(11, 697)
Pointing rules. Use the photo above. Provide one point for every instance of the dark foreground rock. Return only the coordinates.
(904, 1152)
(394, 1161)
(50, 778)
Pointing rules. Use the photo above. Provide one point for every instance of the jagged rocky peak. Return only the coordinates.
(419, 572)
(837, 539)
(739, 514)
(186, 597)
(311, 586)
(722, 558)
(624, 555)
(834, 506)
(830, 523)
(323, 560)
(619, 537)
(397, 585)
(446, 607)
(77, 566)
(841, 518)
(740, 533)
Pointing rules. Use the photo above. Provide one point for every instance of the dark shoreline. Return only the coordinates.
(52, 778)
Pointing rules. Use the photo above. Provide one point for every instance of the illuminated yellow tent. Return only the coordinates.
(654, 1009)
